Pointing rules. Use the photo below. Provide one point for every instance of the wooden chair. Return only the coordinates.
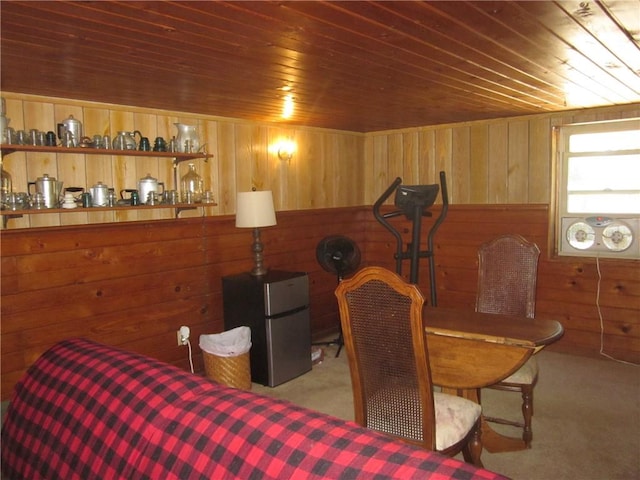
(507, 274)
(384, 337)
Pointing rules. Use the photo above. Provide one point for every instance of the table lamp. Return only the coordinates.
(254, 210)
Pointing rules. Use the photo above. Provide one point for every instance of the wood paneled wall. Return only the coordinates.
(134, 284)
(505, 161)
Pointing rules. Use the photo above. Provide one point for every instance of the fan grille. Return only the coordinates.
(338, 254)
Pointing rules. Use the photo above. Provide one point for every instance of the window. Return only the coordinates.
(598, 187)
(601, 168)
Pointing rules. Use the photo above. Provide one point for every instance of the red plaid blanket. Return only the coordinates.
(88, 411)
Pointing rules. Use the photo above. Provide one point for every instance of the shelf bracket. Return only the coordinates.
(183, 209)
(175, 175)
(5, 219)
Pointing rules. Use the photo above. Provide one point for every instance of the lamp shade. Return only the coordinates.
(255, 209)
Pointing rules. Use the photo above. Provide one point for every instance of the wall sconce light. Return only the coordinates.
(286, 148)
(255, 210)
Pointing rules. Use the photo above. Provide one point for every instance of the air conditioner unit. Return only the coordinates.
(599, 236)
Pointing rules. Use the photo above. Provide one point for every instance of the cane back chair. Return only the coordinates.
(384, 337)
(507, 274)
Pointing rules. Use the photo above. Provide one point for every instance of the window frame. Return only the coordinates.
(561, 137)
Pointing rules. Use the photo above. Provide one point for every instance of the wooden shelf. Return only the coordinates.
(176, 156)
(7, 215)
(36, 211)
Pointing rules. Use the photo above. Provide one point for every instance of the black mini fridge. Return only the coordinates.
(275, 306)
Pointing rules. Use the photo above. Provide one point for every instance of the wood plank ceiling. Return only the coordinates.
(357, 65)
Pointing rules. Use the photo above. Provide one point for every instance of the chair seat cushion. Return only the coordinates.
(396, 411)
(455, 417)
(525, 375)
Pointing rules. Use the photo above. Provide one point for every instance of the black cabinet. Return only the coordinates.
(275, 306)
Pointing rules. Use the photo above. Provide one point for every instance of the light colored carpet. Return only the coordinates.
(586, 423)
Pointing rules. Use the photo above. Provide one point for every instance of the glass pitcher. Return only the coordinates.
(191, 184)
(187, 139)
(6, 186)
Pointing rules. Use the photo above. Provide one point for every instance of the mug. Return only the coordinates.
(85, 198)
(12, 201)
(37, 201)
(11, 136)
(22, 137)
(207, 197)
(111, 198)
(33, 137)
(152, 198)
(170, 197)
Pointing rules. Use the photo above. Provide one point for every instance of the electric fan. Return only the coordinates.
(339, 255)
(617, 237)
(600, 236)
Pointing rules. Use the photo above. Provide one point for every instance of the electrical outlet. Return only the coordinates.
(183, 335)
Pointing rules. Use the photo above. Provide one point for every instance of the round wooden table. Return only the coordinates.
(470, 350)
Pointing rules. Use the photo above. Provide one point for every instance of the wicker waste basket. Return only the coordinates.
(226, 357)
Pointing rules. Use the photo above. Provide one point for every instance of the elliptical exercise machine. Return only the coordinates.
(413, 202)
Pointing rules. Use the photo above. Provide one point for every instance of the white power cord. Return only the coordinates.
(183, 339)
(602, 320)
(190, 355)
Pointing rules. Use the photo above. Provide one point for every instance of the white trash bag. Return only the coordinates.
(231, 343)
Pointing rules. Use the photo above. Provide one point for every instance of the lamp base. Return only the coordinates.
(257, 247)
